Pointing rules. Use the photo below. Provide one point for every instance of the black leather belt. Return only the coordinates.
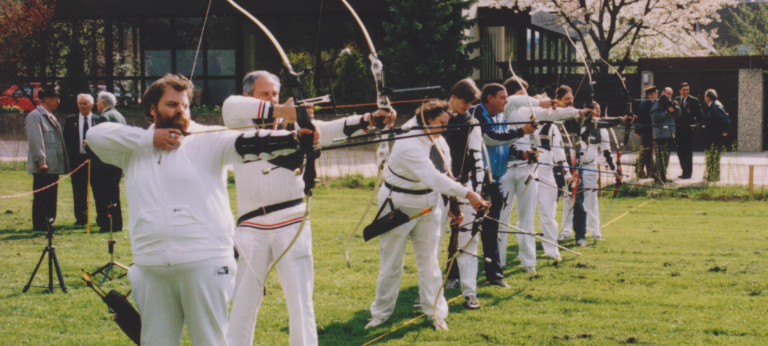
(269, 209)
(405, 191)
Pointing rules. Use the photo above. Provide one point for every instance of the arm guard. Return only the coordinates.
(258, 145)
(609, 159)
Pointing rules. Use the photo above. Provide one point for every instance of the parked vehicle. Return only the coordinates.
(16, 97)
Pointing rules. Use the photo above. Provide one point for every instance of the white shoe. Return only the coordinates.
(598, 237)
(529, 269)
(440, 324)
(417, 303)
(582, 243)
(556, 257)
(375, 322)
(565, 235)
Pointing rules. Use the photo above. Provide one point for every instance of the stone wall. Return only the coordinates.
(750, 127)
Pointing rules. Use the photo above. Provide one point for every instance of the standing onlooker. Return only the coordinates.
(663, 114)
(645, 161)
(46, 157)
(75, 131)
(669, 92)
(690, 108)
(717, 124)
(109, 181)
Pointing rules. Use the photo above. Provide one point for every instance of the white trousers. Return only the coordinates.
(546, 199)
(296, 274)
(424, 232)
(468, 264)
(590, 204)
(197, 293)
(513, 186)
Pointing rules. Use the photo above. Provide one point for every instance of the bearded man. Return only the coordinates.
(180, 222)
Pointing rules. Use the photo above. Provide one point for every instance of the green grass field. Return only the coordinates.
(674, 271)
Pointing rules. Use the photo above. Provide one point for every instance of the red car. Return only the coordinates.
(14, 97)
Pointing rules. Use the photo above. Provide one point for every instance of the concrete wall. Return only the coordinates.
(750, 127)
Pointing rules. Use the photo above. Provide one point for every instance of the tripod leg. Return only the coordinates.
(50, 269)
(29, 284)
(58, 270)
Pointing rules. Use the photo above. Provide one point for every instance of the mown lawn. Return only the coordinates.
(674, 271)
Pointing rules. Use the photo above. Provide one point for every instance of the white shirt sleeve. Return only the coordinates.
(240, 111)
(558, 114)
(416, 160)
(115, 143)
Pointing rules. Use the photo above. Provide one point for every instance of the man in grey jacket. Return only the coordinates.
(663, 114)
(109, 186)
(46, 157)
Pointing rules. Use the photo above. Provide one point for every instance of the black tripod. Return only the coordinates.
(106, 270)
(53, 262)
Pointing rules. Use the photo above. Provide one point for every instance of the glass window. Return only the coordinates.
(127, 92)
(219, 90)
(125, 49)
(528, 45)
(159, 44)
(187, 39)
(221, 46)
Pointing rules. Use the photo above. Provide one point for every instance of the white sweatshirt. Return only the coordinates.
(410, 159)
(179, 208)
(255, 189)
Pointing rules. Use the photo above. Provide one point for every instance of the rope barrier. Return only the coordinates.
(47, 187)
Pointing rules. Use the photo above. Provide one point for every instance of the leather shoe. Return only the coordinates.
(685, 177)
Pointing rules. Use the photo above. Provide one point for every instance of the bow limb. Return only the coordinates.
(302, 120)
(382, 101)
(307, 201)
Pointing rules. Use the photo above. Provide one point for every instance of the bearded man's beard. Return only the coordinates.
(175, 121)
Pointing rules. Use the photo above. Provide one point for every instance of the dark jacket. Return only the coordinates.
(691, 113)
(661, 116)
(716, 121)
(72, 138)
(644, 118)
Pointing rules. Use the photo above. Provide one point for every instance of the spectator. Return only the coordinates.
(690, 115)
(663, 114)
(75, 131)
(109, 183)
(46, 157)
(645, 132)
(717, 124)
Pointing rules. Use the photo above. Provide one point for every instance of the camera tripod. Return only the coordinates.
(106, 270)
(53, 262)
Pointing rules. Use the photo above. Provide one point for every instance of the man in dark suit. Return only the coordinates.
(717, 124)
(109, 184)
(645, 160)
(75, 133)
(690, 115)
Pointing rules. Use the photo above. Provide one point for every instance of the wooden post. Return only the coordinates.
(751, 182)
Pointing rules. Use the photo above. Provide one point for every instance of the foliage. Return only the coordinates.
(13, 109)
(205, 109)
(76, 81)
(668, 274)
(299, 61)
(749, 22)
(427, 44)
(628, 30)
(354, 84)
(27, 40)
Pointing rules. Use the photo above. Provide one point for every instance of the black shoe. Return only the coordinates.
(499, 282)
(685, 177)
(80, 224)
